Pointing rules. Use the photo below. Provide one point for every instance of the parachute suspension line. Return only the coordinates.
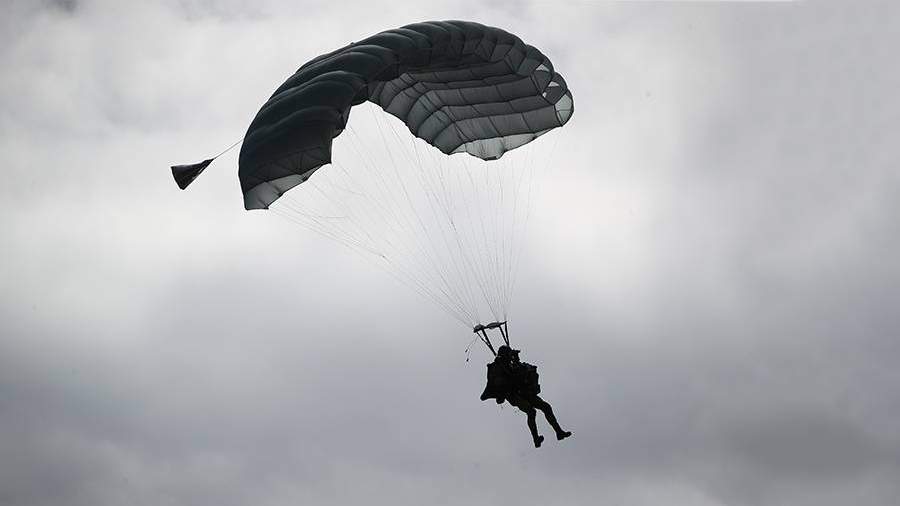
(441, 196)
(491, 241)
(496, 238)
(487, 275)
(518, 231)
(470, 345)
(428, 174)
(542, 167)
(357, 229)
(466, 267)
(487, 242)
(391, 216)
(364, 252)
(347, 226)
(469, 266)
(495, 235)
(441, 280)
(363, 225)
(408, 221)
(502, 239)
(388, 214)
(502, 243)
(516, 238)
(421, 173)
(465, 251)
(430, 253)
(294, 216)
(479, 269)
(358, 239)
(509, 244)
(448, 227)
(455, 252)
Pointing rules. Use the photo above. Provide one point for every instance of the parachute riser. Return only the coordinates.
(481, 331)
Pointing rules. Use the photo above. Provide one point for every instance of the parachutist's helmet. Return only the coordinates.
(506, 353)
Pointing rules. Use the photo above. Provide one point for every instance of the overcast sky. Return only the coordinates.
(710, 289)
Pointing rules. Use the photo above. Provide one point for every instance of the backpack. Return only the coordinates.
(528, 375)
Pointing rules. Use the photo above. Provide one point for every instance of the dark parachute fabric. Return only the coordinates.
(460, 86)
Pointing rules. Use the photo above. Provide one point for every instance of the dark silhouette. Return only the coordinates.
(510, 380)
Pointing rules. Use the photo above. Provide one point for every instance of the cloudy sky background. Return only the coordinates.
(710, 289)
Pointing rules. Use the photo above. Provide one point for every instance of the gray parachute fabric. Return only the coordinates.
(460, 86)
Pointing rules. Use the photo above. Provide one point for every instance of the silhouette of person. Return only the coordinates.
(510, 380)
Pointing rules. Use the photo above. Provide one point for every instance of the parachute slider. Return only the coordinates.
(186, 174)
(494, 325)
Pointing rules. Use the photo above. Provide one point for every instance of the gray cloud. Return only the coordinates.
(709, 288)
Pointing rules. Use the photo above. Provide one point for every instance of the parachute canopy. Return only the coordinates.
(460, 86)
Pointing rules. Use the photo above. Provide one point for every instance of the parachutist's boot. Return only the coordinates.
(560, 434)
(537, 441)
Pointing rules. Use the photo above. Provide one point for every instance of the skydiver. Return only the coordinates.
(510, 380)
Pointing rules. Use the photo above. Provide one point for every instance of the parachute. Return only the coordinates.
(460, 87)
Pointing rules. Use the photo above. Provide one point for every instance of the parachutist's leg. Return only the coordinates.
(545, 407)
(532, 426)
